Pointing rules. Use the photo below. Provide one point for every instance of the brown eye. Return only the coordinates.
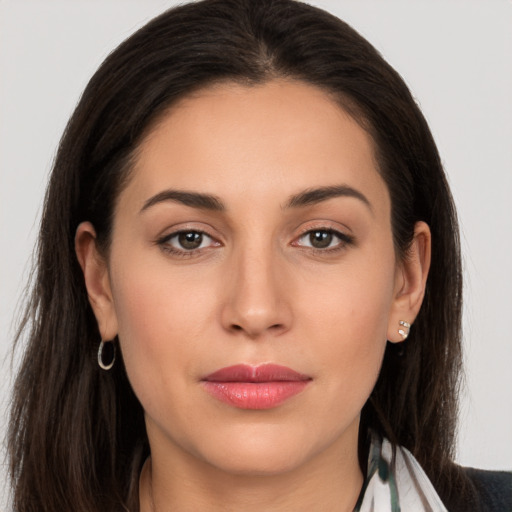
(187, 241)
(190, 240)
(324, 240)
(320, 239)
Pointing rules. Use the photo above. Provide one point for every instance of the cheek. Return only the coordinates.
(348, 321)
(352, 301)
(154, 301)
(162, 319)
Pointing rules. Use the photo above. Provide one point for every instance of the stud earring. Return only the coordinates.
(107, 350)
(405, 329)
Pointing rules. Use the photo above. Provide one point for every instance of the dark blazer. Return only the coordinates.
(494, 489)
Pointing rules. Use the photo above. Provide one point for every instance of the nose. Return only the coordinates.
(257, 302)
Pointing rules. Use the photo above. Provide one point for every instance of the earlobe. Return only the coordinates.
(96, 277)
(410, 284)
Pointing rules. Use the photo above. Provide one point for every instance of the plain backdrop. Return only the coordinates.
(456, 56)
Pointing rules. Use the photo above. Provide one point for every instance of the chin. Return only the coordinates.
(265, 452)
(259, 463)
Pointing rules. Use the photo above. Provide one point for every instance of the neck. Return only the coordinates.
(330, 482)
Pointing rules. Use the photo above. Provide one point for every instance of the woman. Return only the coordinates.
(240, 215)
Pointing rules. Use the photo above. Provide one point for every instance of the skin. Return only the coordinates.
(256, 291)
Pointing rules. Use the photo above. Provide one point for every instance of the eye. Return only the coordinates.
(323, 239)
(186, 241)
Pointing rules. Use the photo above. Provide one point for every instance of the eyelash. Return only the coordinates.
(164, 243)
(344, 240)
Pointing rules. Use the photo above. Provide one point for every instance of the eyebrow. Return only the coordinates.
(317, 195)
(213, 203)
(192, 199)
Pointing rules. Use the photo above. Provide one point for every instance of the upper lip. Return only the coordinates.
(262, 373)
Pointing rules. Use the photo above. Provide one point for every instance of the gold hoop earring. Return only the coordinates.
(110, 355)
(405, 329)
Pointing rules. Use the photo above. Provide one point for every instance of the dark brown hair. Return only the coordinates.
(77, 437)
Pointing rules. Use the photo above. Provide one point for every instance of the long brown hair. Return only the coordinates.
(77, 437)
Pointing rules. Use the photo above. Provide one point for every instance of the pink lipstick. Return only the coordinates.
(255, 387)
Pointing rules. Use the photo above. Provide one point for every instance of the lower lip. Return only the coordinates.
(254, 395)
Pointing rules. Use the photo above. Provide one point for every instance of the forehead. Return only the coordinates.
(256, 141)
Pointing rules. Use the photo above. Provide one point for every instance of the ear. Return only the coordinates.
(97, 282)
(410, 281)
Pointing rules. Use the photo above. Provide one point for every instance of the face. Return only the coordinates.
(255, 231)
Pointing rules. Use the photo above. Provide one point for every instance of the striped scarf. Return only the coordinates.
(399, 487)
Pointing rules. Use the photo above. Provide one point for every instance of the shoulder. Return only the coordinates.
(494, 488)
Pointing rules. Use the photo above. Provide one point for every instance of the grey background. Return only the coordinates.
(455, 55)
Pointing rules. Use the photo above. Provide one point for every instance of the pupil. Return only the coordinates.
(190, 240)
(320, 239)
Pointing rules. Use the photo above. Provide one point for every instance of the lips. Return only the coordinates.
(255, 387)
